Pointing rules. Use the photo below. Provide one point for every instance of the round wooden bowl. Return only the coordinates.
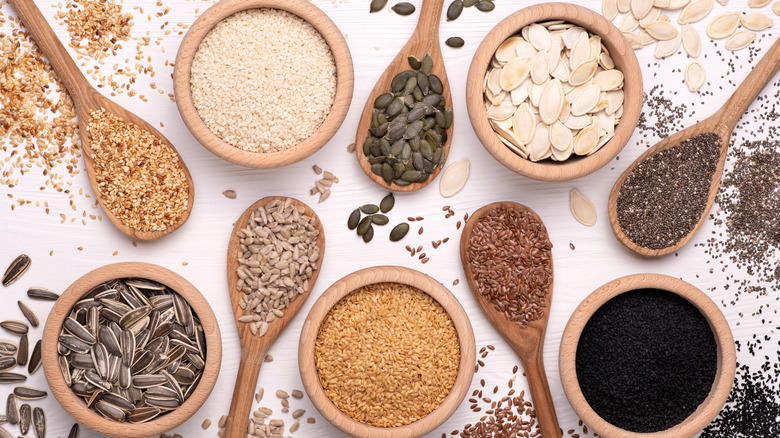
(620, 51)
(727, 358)
(344, 84)
(75, 406)
(339, 290)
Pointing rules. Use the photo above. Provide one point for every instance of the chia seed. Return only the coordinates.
(663, 198)
(646, 360)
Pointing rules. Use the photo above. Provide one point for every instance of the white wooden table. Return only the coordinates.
(374, 39)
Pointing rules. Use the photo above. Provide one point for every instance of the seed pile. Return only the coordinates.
(274, 91)
(324, 184)
(663, 198)
(409, 127)
(553, 91)
(661, 360)
(97, 28)
(365, 226)
(133, 349)
(275, 428)
(381, 340)
(138, 175)
(510, 256)
(277, 256)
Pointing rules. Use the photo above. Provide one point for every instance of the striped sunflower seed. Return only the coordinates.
(29, 314)
(8, 348)
(23, 352)
(4, 433)
(74, 431)
(7, 363)
(27, 393)
(39, 293)
(39, 423)
(35, 359)
(8, 377)
(18, 328)
(25, 418)
(19, 266)
(11, 410)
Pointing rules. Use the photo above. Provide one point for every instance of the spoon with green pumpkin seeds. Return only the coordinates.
(405, 131)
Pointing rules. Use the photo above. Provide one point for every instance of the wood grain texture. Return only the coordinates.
(722, 123)
(86, 100)
(74, 405)
(424, 40)
(528, 342)
(344, 83)
(381, 274)
(625, 61)
(253, 347)
(724, 377)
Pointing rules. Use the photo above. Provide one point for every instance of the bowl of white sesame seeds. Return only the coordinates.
(263, 83)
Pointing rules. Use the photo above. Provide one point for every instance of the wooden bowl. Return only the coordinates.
(344, 85)
(621, 53)
(75, 406)
(724, 377)
(339, 290)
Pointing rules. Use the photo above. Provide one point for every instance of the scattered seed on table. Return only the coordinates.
(403, 8)
(455, 42)
(16, 269)
(230, 194)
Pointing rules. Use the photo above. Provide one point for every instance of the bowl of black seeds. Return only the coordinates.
(647, 355)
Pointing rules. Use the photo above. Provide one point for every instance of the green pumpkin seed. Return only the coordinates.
(387, 173)
(387, 204)
(399, 232)
(403, 8)
(369, 209)
(427, 64)
(411, 84)
(436, 85)
(448, 117)
(383, 101)
(414, 62)
(411, 175)
(369, 234)
(398, 82)
(377, 5)
(455, 42)
(455, 9)
(380, 219)
(364, 225)
(469, 3)
(486, 5)
(354, 219)
(423, 83)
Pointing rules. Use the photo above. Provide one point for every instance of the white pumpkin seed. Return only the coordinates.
(633, 41)
(508, 49)
(661, 30)
(645, 37)
(524, 123)
(740, 40)
(723, 25)
(551, 102)
(640, 8)
(494, 81)
(539, 70)
(577, 122)
(694, 76)
(691, 41)
(561, 137)
(582, 209)
(513, 73)
(524, 49)
(501, 112)
(668, 47)
(624, 6)
(539, 37)
(615, 101)
(454, 178)
(776, 7)
(629, 23)
(583, 72)
(653, 15)
(756, 21)
(539, 146)
(561, 72)
(757, 3)
(606, 61)
(580, 51)
(723, 2)
(572, 35)
(671, 5)
(585, 100)
(520, 94)
(609, 80)
(609, 9)
(587, 139)
(695, 11)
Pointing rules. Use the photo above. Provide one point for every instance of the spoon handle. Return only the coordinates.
(427, 30)
(243, 393)
(739, 102)
(52, 48)
(541, 397)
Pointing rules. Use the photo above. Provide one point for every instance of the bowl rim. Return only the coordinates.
(726, 352)
(74, 405)
(621, 53)
(381, 274)
(259, 160)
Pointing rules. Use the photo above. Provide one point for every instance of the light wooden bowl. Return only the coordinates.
(724, 377)
(339, 290)
(75, 406)
(201, 132)
(620, 51)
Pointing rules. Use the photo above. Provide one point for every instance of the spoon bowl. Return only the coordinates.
(722, 124)
(527, 342)
(253, 347)
(424, 40)
(86, 100)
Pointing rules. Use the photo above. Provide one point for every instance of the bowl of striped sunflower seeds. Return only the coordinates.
(131, 350)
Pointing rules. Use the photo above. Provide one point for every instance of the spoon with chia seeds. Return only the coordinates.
(664, 197)
(255, 342)
(171, 207)
(404, 134)
(507, 259)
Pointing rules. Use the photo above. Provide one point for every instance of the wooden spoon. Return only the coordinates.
(425, 39)
(721, 123)
(87, 99)
(253, 347)
(528, 342)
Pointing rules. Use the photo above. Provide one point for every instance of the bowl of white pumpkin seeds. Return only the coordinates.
(555, 92)
(263, 83)
(131, 350)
